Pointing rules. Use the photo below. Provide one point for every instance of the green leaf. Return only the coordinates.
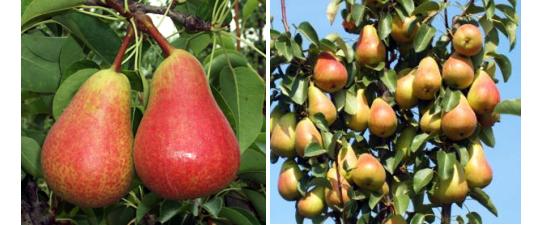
(389, 79)
(489, 8)
(38, 8)
(401, 203)
(320, 121)
(47, 48)
(418, 218)
(341, 44)
(214, 206)
(374, 198)
(384, 26)
(504, 64)
(314, 149)
(258, 201)
(474, 218)
(296, 88)
(350, 106)
(423, 37)
(445, 164)
(148, 202)
(309, 32)
(30, 156)
(252, 166)
(509, 106)
(248, 8)
(234, 216)
(487, 136)
(408, 5)
(68, 89)
(422, 178)
(168, 209)
(244, 91)
(70, 53)
(38, 74)
(450, 100)
(223, 59)
(484, 199)
(248, 214)
(357, 12)
(426, 7)
(418, 141)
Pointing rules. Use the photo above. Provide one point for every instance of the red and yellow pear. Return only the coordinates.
(452, 190)
(335, 196)
(289, 179)
(306, 133)
(459, 123)
(360, 120)
(404, 94)
(283, 137)
(427, 80)
(382, 121)
(404, 30)
(346, 155)
(467, 40)
(430, 123)
(478, 172)
(396, 219)
(368, 174)
(483, 96)
(318, 102)
(370, 50)
(329, 74)
(458, 71)
(313, 203)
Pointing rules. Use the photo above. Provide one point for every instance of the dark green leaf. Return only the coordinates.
(384, 26)
(30, 156)
(68, 89)
(487, 136)
(308, 31)
(408, 5)
(418, 141)
(509, 106)
(422, 178)
(450, 100)
(47, 48)
(38, 74)
(474, 218)
(504, 64)
(445, 164)
(149, 201)
(258, 201)
(484, 199)
(314, 149)
(423, 37)
(214, 206)
(401, 203)
(357, 12)
(418, 218)
(38, 8)
(389, 79)
(168, 209)
(71, 52)
(249, 7)
(235, 216)
(426, 7)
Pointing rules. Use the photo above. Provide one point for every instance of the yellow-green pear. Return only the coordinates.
(384, 190)
(335, 196)
(306, 133)
(283, 137)
(459, 123)
(483, 96)
(403, 142)
(430, 123)
(458, 71)
(396, 219)
(451, 190)
(404, 94)
(313, 203)
(382, 121)
(289, 179)
(346, 155)
(477, 170)
(427, 80)
(368, 173)
(370, 50)
(403, 30)
(360, 120)
(318, 102)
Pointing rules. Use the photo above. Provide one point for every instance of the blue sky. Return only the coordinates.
(505, 158)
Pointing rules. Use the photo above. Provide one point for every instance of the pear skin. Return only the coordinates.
(488, 119)
(368, 173)
(313, 203)
(289, 179)
(430, 123)
(87, 155)
(477, 170)
(383, 121)
(459, 123)
(396, 219)
(452, 190)
(283, 137)
(403, 142)
(329, 74)
(360, 120)
(334, 196)
(467, 40)
(346, 155)
(306, 133)
(458, 71)
(404, 94)
(403, 31)
(318, 102)
(274, 118)
(370, 50)
(427, 80)
(483, 96)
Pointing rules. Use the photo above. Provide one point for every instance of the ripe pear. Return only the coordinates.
(382, 121)
(360, 120)
(289, 179)
(306, 133)
(404, 94)
(403, 142)
(329, 74)
(478, 172)
(467, 40)
(430, 123)
(458, 71)
(396, 219)
(346, 155)
(368, 173)
(483, 96)
(274, 118)
(335, 195)
(318, 102)
(370, 50)
(488, 119)
(185, 148)
(427, 80)
(460, 122)
(87, 155)
(403, 31)
(283, 137)
(452, 190)
(313, 203)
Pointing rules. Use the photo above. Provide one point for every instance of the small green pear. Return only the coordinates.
(459, 123)
(430, 123)
(467, 40)
(289, 179)
(458, 71)
(306, 133)
(318, 102)
(404, 94)
(313, 203)
(368, 173)
(283, 137)
(360, 120)
(370, 50)
(477, 170)
(483, 96)
(382, 121)
(452, 190)
(334, 196)
(404, 30)
(427, 80)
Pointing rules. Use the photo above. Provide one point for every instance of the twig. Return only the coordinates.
(237, 26)
(446, 16)
(283, 14)
(446, 214)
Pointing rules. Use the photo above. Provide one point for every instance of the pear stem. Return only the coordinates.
(446, 214)
(147, 25)
(117, 63)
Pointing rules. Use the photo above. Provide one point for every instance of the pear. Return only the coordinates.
(368, 173)
(274, 118)
(483, 96)
(382, 121)
(478, 172)
(403, 142)
(346, 155)
(459, 123)
(396, 219)
(318, 102)
(370, 50)
(335, 196)
(458, 71)
(306, 133)
(452, 190)
(185, 148)
(430, 123)
(467, 40)
(283, 137)
(313, 203)
(289, 179)
(404, 94)
(87, 155)
(488, 119)
(384, 190)
(404, 30)
(427, 80)
(329, 74)
(360, 120)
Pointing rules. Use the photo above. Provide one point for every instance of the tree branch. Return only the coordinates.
(123, 46)
(446, 214)
(283, 12)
